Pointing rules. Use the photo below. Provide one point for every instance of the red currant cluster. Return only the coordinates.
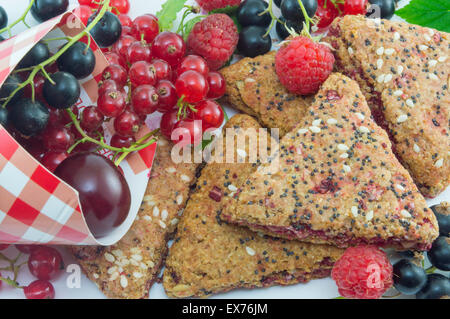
(328, 10)
(151, 72)
(84, 11)
(44, 263)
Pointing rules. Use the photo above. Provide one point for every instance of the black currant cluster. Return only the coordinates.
(292, 15)
(410, 279)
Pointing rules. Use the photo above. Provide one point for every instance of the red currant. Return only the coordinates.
(83, 12)
(210, 113)
(217, 85)
(169, 47)
(52, 159)
(192, 86)
(127, 123)
(111, 103)
(91, 119)
(116, 73)
(122, 141)
(167, 96)
(146, 27)
(163, 69)
(114, 58)
(127, 31)
(90, 3)
(107, 85)
(122, 6)
(125, 20)
(354, 7)
(121, 46)
(168, 121)
(45, 262)
(39, 289)
(145, 99)
(27, 249)
(326, 15)
(142, 73)
(57, 138)
(3, 246)
(187, 131)
(139, 51)
(195, 63)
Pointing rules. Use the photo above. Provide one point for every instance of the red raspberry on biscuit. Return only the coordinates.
(215, 38)
(303, 65)
(363, 272)
(209, 5)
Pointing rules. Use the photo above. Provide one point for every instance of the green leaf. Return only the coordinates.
(434, 14)
(189, 25)
(168, 13)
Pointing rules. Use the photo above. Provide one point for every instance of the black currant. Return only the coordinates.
(291, 10)
(11, 83)
(28, 117)
(3, 18)
(443, 221)
(437, 286)
(43, 10)
(409, 279)
(107, 31)
(249, 13)
(64, 93)
(283, 33)
(3, 116)
(277, 3)
(78, 60)
(439, 254)
(386, 8)
(252, 41)
(38, 54)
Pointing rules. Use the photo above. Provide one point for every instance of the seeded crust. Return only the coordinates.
(129, 268)
(337, 182)
(209, 256)
(253, 88)
(403, 70)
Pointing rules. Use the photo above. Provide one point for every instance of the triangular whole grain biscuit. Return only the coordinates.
(209, 256)
(338, 181)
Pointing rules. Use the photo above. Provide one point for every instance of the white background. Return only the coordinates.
(324, 288)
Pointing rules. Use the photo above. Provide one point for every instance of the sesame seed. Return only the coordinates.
(164, 214)
(344, 155)
(171, 169)
(431, 32)
(416, 148)
(399, 187)
(156, 211)
(350, 50)
(442, 59)
(109, 257)
(355, 211)
(111, 270)
(96, 276)
(405, 213)
(316, 122)
(380, 51)
(232, 188)
(398, 92)
(369, 215)
(250, 251)
(433, 76)
(314, 129)
(364, 129)
(250, 80)
(123, 281)
(432, 63)
(185, 178)
(402, 118)
(136, 257)
(137, 275)
(380, 78)
(342, 147)
(423, 47)
(179, 199)
(162, 224)
(427, 37)
(114, 276)
(409, 102)
(439, 163)
(360, 116)
(174, 221)
(241, 153)
(389, 51)
(396, 36)
(332, 121)
(380, 63)
(400, 69)
(388, 78)
(147, 218)
(347, 168)
(302, 131)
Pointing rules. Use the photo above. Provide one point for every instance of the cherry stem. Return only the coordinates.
(183, 106)
(21, 19)
(13, 268)
(105, 7)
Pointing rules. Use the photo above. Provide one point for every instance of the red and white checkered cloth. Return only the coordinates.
(35, 206)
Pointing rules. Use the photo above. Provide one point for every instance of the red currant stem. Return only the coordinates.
(224, 113)
(340, 297)
(186, 13)
(21, 19)
(139, 146)
(13, 268)
(55, 57)
(272, 15)
(74, 145)
(11, 282)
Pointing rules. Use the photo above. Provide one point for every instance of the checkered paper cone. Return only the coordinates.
(35, 206)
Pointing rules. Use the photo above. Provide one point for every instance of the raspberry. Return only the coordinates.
(303, 65)
(215, 38)
(363, 272)
(209, 5)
